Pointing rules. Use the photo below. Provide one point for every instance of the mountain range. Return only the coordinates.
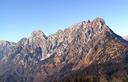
(88, 51)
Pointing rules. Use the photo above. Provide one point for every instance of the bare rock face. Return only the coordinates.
(60, 56)
(39, 39)
(5, 49)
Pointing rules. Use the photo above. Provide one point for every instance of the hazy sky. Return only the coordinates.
(18, 18)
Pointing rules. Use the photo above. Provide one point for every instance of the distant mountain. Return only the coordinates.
(126, 38)
(88, 51)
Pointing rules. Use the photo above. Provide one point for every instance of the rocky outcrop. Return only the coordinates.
(75, 50)
(5, 49)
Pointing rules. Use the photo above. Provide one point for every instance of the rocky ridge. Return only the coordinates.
(41, 58)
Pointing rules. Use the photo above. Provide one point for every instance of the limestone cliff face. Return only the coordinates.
(41, 58)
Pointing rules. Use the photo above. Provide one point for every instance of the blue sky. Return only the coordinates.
(18, 18)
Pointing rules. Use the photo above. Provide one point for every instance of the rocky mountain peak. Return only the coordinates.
(100, 20)
(2, 42)
(6, 43)
(38, 34)
(99, 25)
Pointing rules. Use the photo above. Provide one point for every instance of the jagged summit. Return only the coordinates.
(99, 19)
(97, 26)
(6, 43)
(38, 33)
